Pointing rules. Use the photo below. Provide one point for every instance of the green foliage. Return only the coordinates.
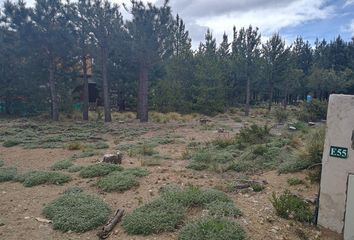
(7, 174)
(288, 205)
(155, 217)
(313, 111)
(61, 165)
(10, 143)
(281, 115)
(257, 187)
(223, 209)
(193, 196)
(35, 178)
(136, 171)
(210, 228)
(254, 135)
(2, 163)
(77, 211)
(99, 169)
(223, 142)
(295, 181)
(311, 154)
(117, 182)
(73, 169)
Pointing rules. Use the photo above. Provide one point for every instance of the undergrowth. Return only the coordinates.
(290, 206)
(35, 178)
(99, 169)
(77, 211)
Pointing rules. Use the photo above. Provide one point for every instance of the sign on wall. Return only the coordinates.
(338, 152)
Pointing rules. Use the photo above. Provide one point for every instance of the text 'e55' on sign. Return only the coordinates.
(338, 152)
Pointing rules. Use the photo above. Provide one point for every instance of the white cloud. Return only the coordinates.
(348, 2)
(269, 19)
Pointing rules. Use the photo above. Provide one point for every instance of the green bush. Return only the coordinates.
(155, 217)
(223, 142)
(73, 169)
(2, 163)
(205, 158)
(254, 135)
(117, 182)
(295, 181)
(223, 209)
(136, 171)
(61, 165)
(281, 115)
(76, 211)
(193, 196)
(211, 228)
(313, 111)
(288, 205)
(98, 170)
(10, 143)
(35, 178)
(7, 174)
(310, 155)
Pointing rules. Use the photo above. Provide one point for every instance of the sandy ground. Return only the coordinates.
(19, 206)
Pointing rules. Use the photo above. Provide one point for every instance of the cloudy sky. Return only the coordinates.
(308, 18)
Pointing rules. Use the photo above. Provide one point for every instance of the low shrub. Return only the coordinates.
(73, 169)
(295, 181)
(7, 174)
(193, 196)
(210, 228)
(10, 143)
(223, 209)
(99, 169)
(254, 135)
(61, 165)
(74, 146)
(136, 171)
(281, 115)
(223, 142)
(290, 206)
(257, 187)
(154, 217)
(313, 111)
(117, 182)
(35, 178)
(2, 163)
(77, 211)
(97, 145)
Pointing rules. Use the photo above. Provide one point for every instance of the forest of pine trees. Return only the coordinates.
(147, 63)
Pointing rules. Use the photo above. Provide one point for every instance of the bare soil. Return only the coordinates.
(19, 206)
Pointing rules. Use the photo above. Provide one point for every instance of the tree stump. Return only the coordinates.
(113, 158)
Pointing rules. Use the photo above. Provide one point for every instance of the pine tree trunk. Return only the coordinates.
(143, 93)
(107, 107)
(248, 96)
(271, 93)
(85, 109)
(53, 92)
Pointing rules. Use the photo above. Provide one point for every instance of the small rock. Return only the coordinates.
(292, 128)
(27, 218)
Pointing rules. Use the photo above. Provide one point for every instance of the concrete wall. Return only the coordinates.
(335, 171)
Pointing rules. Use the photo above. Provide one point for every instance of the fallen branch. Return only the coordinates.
(106, 229)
